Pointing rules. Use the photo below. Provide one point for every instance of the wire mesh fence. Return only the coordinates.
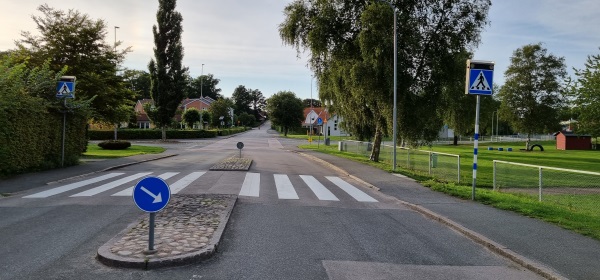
(544, 181)
(438, 165)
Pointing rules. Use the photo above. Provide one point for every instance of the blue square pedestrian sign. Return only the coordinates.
(65, 89)
(480, 77)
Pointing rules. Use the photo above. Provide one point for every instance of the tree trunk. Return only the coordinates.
(116, 125)
(285, 131)
(528, 143)
(164, 133)
(455, 143)
(376, 145)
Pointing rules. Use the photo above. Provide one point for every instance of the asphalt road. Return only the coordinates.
(56, 237)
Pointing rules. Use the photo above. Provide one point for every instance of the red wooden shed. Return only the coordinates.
(567, 140)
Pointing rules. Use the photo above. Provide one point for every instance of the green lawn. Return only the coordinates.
(95, 152)
(577, 212)
(551, 157)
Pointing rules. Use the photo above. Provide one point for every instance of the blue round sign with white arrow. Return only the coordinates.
(151, 194)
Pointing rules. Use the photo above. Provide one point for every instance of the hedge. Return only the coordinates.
(31, 136)
(137, 134)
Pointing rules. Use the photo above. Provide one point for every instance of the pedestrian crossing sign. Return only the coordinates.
(480, 76)
(66, 87)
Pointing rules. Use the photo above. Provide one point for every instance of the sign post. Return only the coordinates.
(65, 89)
(240, 146)
(319, 124)
(479, 82)
(151, 195)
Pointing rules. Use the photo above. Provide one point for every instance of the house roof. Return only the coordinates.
(570, 134)
(320, 111)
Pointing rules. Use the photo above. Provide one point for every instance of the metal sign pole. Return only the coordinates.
(151, 195)
(319, 142)
(479, 81)
(151, 235)
(62, 161)
(475, 150)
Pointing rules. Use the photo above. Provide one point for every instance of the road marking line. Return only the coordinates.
(111, 185)
(129, 191)
(274, 143)
(185, 181)
(285, 190)
(72, 186)
(351, 190)
(251, 186)
(320, 191)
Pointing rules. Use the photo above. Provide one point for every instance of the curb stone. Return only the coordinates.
(108, 258)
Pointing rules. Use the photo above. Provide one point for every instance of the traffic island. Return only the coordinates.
(188, 230)
(233, 164)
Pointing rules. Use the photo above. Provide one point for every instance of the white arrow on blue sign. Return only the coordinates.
(151, 194)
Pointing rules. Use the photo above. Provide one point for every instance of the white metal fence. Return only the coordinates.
(438, 165)
(521, 177)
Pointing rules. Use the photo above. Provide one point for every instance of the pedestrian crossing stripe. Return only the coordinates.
(318, 189)
(72, 186)
(129, 191)
(250, 187)
(285, 189)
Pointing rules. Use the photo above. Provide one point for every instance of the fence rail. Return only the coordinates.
(527, 176)
(439, 165)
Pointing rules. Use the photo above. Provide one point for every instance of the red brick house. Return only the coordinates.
(567, 140)
(202, 104)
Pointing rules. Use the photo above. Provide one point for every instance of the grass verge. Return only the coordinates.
(95, 152)
(577, 213)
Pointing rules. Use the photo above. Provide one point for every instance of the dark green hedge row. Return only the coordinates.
(230, 131)
(31, 135)
(114, 145)
(136, 134)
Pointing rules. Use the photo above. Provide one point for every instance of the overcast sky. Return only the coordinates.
(238, 42)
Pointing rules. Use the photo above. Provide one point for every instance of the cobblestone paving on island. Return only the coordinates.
(185, 225)
(233, 164)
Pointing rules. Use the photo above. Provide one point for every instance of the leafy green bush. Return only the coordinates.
(31, 120)
(114, 145)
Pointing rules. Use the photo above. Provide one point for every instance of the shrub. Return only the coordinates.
(114, 145)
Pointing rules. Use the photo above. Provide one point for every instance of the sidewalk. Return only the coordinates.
(545, 248)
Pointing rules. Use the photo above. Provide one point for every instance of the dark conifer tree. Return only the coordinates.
(166, 70)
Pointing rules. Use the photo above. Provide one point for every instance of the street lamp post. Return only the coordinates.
(495, 112)
(492, 137)
(395, 115)
(201, 94)
(116, 27)
(311, 109)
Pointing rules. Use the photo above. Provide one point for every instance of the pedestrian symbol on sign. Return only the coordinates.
(481, 83)
(64, 90)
